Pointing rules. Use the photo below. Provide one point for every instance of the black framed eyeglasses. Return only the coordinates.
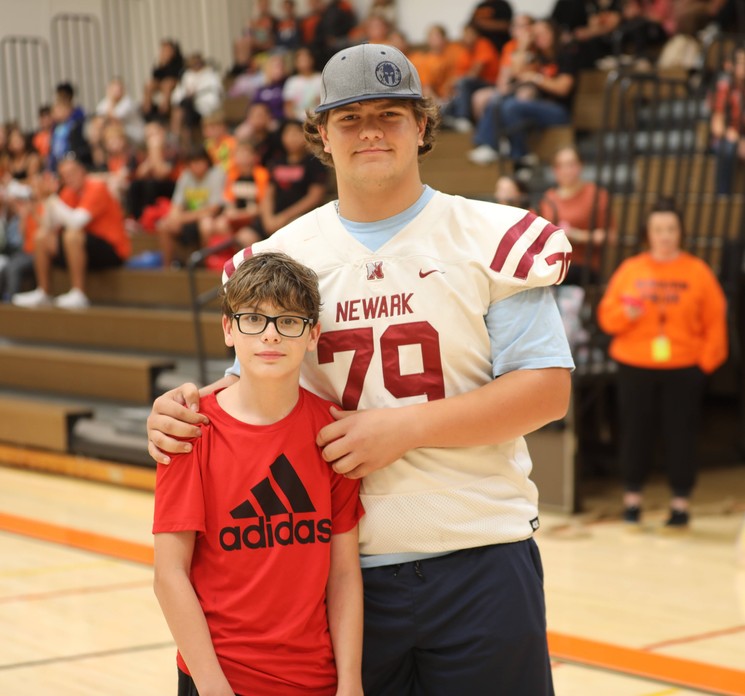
(287, 325)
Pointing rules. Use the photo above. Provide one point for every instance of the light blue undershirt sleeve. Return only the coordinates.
(526, 333)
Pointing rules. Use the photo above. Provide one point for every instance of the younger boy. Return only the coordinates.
(256, 557)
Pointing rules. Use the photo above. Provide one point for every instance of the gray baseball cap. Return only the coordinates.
(368, 71)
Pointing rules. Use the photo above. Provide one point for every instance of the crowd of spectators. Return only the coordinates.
(177, 168)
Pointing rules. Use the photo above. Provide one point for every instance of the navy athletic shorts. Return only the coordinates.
(471, 623)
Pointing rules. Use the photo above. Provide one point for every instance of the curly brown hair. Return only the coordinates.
(424, 109)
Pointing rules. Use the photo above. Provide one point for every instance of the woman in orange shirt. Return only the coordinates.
(666, 313)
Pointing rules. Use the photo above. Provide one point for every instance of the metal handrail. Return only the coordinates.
(200, 300)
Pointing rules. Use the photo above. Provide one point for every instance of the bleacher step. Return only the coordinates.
(170, 332)
(80, 373)
(39, 423)
(140, 288)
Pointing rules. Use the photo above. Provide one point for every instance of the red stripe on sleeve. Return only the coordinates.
(230, 266)
(528, 259)
(509, 239)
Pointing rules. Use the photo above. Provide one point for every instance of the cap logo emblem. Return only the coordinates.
(388, 74)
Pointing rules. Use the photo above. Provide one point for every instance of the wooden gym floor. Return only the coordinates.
(629, 614)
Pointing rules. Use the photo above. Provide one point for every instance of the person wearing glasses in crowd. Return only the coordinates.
(233, 533)
(444, 346)
(80, 229)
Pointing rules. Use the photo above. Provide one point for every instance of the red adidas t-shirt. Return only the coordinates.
(264, 505)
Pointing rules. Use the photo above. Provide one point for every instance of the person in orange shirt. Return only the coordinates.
(219, 143)
(244, 191)
(666, 313)
(478, 67)
(438, 63)
(42, 138)
(82, 228)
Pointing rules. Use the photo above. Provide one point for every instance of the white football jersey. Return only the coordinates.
(405, 324)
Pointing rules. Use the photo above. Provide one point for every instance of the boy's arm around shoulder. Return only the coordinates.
(183, 613)
(344, 608)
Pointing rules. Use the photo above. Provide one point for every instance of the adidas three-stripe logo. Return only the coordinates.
(281, 493)
(289, 484)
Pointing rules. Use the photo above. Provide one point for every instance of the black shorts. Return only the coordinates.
(99, 252)
(189, 235)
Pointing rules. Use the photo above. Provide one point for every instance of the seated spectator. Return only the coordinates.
(64, 91)
(165, 75)
(568, 15)
(298, 182)
(16, 245)
(580, 208)
(218, 142)
(120, 160)
(302, 90)
(67, 134)
(477, 67)
(309, 21)
(271, 92)
(117, 105)
(198, 93)
(260, 129)
(198, 194)
(289, 33)
(153, 177)
(511, 191)
(728, 120)
(438, 64)
(42, 137)
(374, 29)
(245, 190)
(332, 30)
(80, 229)
(645, 26)
(258, 36)
(492, 19)
(22, 162)
(517, 56)
(596, 38)
(542, 98)
(93, 133)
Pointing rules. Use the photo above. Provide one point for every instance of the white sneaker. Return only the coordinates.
(483, 154)
(462, 125)
(73, 299)
(33, 298)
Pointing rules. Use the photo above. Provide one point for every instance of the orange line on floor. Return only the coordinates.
(139, 477)
(77, 538)
(663, 668)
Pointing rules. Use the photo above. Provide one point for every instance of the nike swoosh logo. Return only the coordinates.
(424, 274)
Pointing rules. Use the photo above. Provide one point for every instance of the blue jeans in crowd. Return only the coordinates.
(514, 117)
(726, 153)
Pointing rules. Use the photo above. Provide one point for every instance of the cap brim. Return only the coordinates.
(365, 97)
